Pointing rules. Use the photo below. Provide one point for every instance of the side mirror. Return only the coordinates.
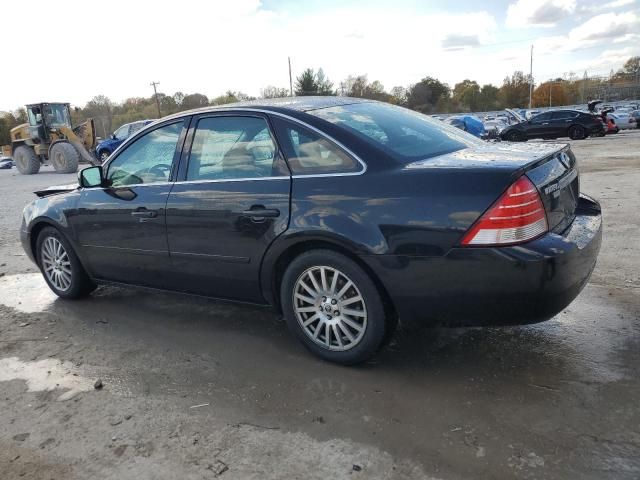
(113, 136)
(91, 177)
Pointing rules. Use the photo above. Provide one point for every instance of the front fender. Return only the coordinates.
(52, 211)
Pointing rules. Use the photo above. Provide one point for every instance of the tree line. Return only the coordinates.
(429, 95)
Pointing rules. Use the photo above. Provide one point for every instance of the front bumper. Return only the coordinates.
(513, 285)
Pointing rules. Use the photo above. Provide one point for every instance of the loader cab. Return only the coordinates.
(46, 116)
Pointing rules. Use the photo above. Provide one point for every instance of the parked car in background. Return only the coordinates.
(611, 126)
(494, 126)
(635, 118)
(6, 163)
(344, 214)
(622, 120)
(531, 113)
(467, 123)
(554, 124)
(108, 146)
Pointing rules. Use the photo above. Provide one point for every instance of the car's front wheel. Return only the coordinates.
(60, 266)
(104, 154)
(516, 136)
(333, 307)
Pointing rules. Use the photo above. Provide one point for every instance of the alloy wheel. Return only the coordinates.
(330, 308)
(56, 263)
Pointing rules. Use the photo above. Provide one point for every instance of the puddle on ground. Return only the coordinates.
(26, 292)
(45, 375)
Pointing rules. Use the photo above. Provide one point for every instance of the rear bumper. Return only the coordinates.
(522, 284)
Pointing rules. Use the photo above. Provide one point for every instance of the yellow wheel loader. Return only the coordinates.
(50, 136)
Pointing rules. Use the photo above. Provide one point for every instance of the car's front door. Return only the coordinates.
(122, 227)
(232, 202)
(539, 126)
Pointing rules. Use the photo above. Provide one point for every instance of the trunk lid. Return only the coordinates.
(551, 167)
(558, 182)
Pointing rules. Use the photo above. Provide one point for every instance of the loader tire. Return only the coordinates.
(64, 157)
(26, 160)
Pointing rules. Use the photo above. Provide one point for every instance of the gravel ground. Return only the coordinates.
(197, 389)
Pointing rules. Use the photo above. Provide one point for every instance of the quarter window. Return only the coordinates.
(309, 153)
(228, 147)
(148, 159)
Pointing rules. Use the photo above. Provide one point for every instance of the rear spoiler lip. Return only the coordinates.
(55, 190)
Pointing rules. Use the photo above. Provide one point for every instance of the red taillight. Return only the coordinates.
(516, 217)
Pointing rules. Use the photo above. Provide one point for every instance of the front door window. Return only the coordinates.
(148, 159)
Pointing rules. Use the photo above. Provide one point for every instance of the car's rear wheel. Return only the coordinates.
(333, 307)
(60, 266)
(577, 132)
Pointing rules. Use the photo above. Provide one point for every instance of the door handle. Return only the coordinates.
(143, 214)
(261, 212)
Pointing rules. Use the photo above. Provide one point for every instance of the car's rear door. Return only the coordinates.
(122, 228)
(232, 201)
(562, 120)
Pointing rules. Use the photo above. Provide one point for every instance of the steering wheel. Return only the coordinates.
(161, 170)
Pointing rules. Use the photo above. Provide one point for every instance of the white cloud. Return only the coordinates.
(617, 4)
(536, 13)
(605, 26)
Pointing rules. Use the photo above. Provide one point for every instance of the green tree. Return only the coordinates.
(514, 91)
(306, 83)
(311, 83)
(632, 66)
(488, 99)
(427, 93)
(194, 100)
(100, 108)
(467, 95)
(274, 92)
(399, 96)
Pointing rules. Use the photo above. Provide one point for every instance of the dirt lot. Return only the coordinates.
(195, 389)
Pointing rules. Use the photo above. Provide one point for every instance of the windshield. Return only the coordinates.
(405, 135)
(57, 115)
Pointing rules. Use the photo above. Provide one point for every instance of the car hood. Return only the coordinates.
(496, 155)
(56, 190)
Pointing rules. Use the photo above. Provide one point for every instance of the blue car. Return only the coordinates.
(468, 123)
(108, 146)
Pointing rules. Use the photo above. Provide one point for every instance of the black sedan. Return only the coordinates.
(574, 124)
(346, 215)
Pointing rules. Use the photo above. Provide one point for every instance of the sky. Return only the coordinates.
(73, 50)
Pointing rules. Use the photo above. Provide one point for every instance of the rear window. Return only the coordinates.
(405, 135)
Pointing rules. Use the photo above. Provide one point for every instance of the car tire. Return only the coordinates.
(60, 265)
(515, 136)
(103, 155)
(315, 308)
(26, 160)
(64, 157)
(577, 132)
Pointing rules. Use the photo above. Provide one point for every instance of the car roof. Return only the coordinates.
(296, 104)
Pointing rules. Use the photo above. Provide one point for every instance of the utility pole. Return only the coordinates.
(531, 78)
(550, 85)
(155, 92)
(290, 78)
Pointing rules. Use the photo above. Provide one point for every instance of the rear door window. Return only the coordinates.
(233, 147)
(567, 115)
